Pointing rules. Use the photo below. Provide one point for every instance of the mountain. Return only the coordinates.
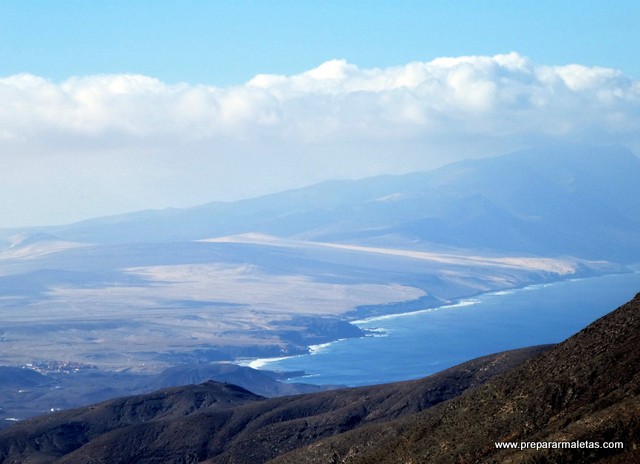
(25, 392)
(137, 294)
(261, 382)
(58, 434)
(557, 200)
(192, 423)
(586, 389)
(583, 390)
(16, 377)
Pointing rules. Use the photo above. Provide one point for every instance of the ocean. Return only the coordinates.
(413, 345)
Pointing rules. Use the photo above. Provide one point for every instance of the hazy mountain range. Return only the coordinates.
(557, 200)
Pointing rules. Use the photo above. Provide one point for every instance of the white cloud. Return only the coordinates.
(335, 120)
(504, 91)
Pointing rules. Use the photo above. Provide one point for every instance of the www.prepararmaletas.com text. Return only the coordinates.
(576, 444)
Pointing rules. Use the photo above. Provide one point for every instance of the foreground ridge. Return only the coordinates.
(584, 390)
(228, 424)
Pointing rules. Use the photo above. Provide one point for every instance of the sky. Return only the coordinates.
(115, 106)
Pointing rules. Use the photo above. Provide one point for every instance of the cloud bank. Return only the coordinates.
(132, 141)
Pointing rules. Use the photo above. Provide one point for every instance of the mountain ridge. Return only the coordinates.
(586, 388)
(120, 422)
(559, 200)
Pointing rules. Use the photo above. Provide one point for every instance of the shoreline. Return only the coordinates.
(263, 363)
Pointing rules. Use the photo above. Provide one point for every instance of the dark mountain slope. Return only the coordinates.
(586, 388)
(47, 438)
(560, 200)
(115, 432)
(26, 393)
(17, 377)
(260, 382)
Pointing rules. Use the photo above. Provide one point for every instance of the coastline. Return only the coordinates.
(463, 301)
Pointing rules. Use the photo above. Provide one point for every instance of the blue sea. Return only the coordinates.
(417, 344)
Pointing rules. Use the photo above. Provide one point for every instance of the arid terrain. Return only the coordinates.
(584, 390)
(140, 293)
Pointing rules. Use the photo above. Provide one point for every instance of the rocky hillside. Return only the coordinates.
(228, 424)
(584, 390)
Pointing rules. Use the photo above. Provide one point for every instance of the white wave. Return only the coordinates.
(504, 292)
(460, 304)
(260, 363)
(315, 349)
(377, 332)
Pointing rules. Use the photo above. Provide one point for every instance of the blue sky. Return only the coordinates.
(228, 42)
(107, 107)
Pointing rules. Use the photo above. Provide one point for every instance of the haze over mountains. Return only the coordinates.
(557, 200)
(271, 276)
